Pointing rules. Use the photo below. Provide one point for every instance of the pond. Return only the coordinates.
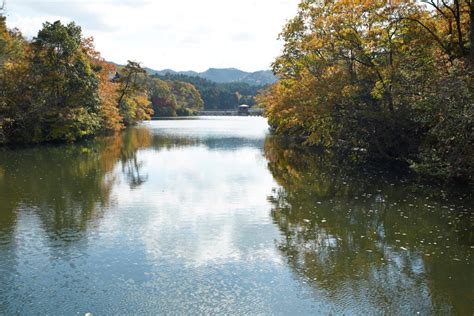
(214, 215)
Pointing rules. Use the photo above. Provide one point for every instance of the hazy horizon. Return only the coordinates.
(201, 71)
(182, 35)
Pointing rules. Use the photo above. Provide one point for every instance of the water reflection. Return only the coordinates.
(159, 219)
(373, 242)
(176, 217)
(67, 186)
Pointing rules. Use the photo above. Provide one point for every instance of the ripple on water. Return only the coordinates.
(212, 216)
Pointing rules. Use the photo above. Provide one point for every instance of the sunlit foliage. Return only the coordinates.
(162, 98)
(57, 87)
(111, 120)
(188, 98)
(133, 100)
(218, 96)
(390, 79)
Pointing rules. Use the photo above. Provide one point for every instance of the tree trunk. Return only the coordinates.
(471, 36)
(457, 17)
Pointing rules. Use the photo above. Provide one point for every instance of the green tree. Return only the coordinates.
(3, 45)
(188, 98)
(65, 103)
(133, 100)
(14, 78)
(57, 87)
(368, 76)
(162, 98)
(218, 96)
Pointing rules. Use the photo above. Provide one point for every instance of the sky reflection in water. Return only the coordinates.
(214, 216)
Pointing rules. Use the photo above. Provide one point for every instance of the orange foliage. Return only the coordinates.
(108, 90)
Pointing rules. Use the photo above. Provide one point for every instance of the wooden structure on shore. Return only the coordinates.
(243, 109)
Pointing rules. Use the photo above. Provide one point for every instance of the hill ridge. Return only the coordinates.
(224, 75)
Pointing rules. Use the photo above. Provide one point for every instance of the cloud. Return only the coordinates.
(51, 3)
(92, 15)
(67, 11)
(178, 34)
(243, 37)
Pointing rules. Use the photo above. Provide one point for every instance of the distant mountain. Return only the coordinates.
(171, 71)
(224, 75)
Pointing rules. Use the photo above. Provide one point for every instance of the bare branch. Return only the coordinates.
(434, 5)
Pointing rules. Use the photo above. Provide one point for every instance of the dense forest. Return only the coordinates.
(380, 80)
(173, 98)
(224, 75)
(218, 96)
(57, 87)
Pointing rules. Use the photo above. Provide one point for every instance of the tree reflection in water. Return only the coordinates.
(68, 187)
(371, 238)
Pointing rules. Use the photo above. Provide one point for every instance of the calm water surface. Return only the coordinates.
(212, 215)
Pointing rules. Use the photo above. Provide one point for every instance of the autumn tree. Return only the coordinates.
(218, 96)
(188, 98)
(367, 76)
(449, 24)
(132, 97)
(111, 120)
(57, 87)
(162, 98)
(3, 45)
(65, 104)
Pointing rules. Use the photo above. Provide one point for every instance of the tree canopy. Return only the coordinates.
(218, 96)
(386, 80)
(58, 88)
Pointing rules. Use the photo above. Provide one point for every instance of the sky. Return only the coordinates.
(175, 34)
